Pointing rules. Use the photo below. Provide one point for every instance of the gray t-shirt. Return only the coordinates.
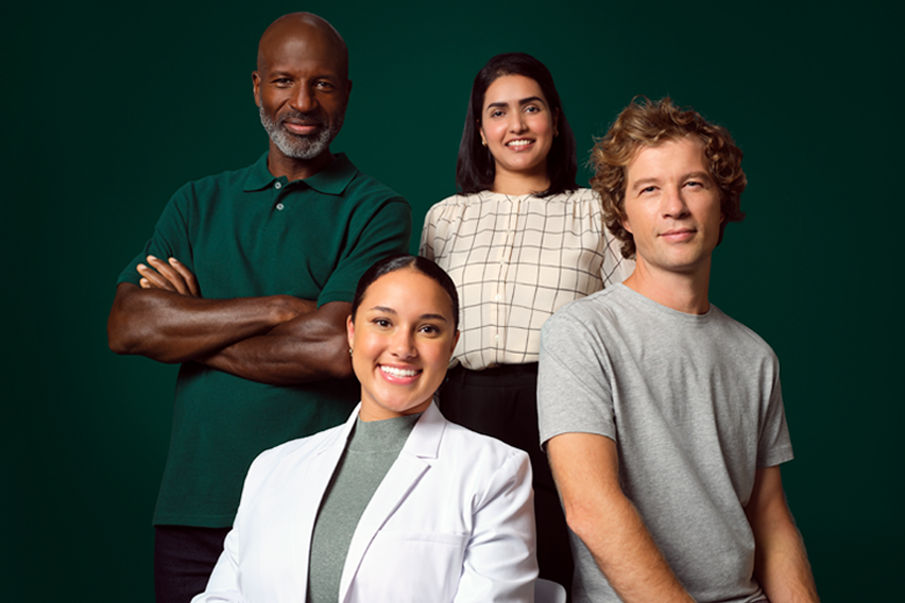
(693, 403)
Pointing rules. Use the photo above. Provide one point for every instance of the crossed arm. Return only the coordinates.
(609, 525)
(278, 339)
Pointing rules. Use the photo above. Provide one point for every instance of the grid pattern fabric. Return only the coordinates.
(516, 259)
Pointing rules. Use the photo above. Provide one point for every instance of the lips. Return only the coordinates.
(519, 144)
(301, 128)
(395, 374)
(678, 235)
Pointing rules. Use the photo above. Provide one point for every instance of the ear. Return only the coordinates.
(455, 340)
(256, 87)
(350, 330)
(481, 132)
(626, 224)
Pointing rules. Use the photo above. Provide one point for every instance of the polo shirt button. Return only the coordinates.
(278, 185)
(280, 206)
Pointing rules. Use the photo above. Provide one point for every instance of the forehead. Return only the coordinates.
(512, 88)
(408, 290)
(669, 158)
(300, 47)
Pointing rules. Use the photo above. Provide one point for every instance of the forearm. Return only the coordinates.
(170, 327)
(586, 469)
(308, 348)
(782, 567)
(624, 550)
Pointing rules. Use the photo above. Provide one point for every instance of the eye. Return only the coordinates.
(647, 190)
(532, 109)
(381, 322)
(430, 330)
(282, 82)
(497, 113)
(324, 85)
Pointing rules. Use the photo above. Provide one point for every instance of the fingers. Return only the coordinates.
(187, 276)
(160, 275)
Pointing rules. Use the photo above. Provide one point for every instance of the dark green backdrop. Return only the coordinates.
(110, 107)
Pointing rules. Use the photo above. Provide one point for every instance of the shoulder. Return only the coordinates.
(740, 335)
(208, 187)
(293, 449)
(367, 188)
(475, 446)
(455, 202)
(600, 306)
(583, 196)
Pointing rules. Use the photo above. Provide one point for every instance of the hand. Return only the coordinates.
(170, 276)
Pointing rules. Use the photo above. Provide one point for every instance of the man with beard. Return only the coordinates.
(246, 281)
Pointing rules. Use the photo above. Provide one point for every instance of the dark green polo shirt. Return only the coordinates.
(245, 233)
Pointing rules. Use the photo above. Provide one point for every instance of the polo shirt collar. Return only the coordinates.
(331, 180)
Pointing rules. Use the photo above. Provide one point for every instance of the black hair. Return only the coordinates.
(403, 260)
(475, 168)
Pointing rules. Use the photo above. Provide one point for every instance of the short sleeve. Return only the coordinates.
(774, 446)
(169, 239)
(573, 390)
(372, 236)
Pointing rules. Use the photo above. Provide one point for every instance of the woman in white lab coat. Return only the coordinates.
(397, 504)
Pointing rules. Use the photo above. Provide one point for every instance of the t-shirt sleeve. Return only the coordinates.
(372, 236)
(169, 239)
(774, 445)
(573, 389)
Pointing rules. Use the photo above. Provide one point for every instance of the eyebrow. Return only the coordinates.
(699, 174)
(524, 101)
(388, 310)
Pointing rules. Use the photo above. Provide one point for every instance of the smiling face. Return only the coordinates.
(402, 337)
(301, 86)
(672, 206)
(517, 126)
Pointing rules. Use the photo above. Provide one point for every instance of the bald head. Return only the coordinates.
(305, 32)
(301, 87)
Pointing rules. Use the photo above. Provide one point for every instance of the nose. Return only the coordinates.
(403, 345)
(304, 100)
(674, 205)
(516, 122)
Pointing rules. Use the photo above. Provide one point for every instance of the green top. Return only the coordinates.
(246, 233)
(370, 452)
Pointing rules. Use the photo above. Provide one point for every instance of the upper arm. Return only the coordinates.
(371, 237)
(500, 562)
(426, 247)
(767, 504)
(586, 470)
(170, 237)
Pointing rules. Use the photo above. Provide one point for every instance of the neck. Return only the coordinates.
(682, 291)
(520, 184)
(295, 169)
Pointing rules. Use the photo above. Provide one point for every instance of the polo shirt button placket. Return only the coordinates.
(279, 205)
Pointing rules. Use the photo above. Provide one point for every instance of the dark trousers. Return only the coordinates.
(502, 402)
(184, 557)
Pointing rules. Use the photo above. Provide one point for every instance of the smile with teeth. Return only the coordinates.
(398, 372)
(518, 143)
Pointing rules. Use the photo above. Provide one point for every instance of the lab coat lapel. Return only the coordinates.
(304, 501)
(414, 461)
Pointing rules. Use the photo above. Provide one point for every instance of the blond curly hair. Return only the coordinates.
(647, 123)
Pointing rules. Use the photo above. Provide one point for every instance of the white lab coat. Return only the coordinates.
(452, 520)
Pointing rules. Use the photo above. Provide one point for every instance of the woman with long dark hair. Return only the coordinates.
(520, 240)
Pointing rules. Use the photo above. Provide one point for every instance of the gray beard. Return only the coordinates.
(299, 147)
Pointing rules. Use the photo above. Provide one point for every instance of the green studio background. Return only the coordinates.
(110, 107)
